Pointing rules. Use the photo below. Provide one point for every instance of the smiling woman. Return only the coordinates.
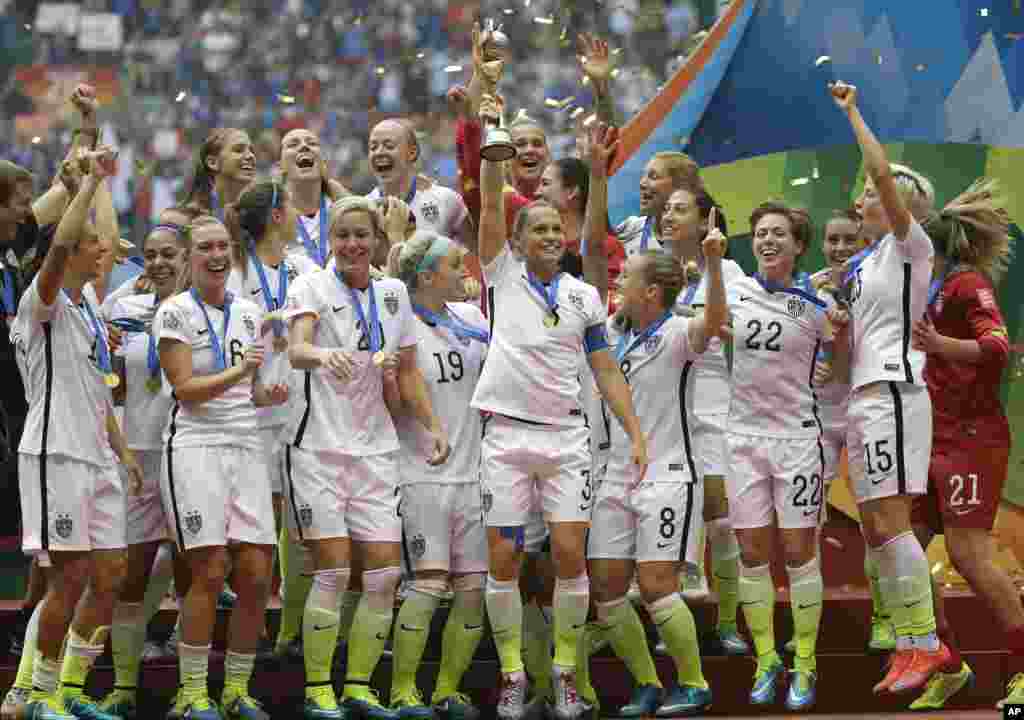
(226, 164)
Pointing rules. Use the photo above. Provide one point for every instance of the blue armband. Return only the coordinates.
(595, 338)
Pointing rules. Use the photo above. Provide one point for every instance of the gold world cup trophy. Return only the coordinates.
(497, 145)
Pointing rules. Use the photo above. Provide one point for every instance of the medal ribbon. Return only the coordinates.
(219, 351)
(373, 329)
(626, 346)
(316, 254)
(449, 320)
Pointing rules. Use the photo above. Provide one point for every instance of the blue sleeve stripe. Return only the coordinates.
(595, 338)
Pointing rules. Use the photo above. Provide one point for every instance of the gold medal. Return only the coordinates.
(112, 380)
(550, 320)
(153, 384)
(379, 358)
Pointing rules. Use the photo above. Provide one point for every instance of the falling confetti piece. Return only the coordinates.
(795, 182)
(590, 120)
(936, 568)
(576, 113)
(180, 96)
(983, 12)
(420, 56)
(453, 69)
(509, 11)
(559, 104)
(544, 20)
(616, 51)
(521, 115)
(822, 60)
(36, 140)
(879, 57)
(815, 175)
(834, 542)
(286, 99)
(615, 73)
(920, 68)
(380, 71)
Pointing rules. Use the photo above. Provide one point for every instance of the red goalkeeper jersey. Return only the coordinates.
(965, 396)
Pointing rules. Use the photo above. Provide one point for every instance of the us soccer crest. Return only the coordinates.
(391, 301)
(418, 546)
(306, 515)
(651, 344)
(172, 321)
(64, 525)
(250, 325)
(795, 307)
(576, 299)
(430, 212)
(293, 272)
(194, 522)
(488, 501)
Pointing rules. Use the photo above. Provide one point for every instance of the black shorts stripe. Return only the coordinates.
(490, 308)
(905, 342)
(684, 541)
(901, 464)
(687, 441)
(170, 477)
(291, 488)
(44, 506)
(307, 394)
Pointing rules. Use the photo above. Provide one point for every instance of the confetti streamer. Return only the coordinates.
(822, 60)
(544, 20)
(453, 69)
(180, 96)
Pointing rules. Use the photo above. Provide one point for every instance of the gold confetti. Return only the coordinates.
(453, 69)
(286, 99)
(936, 568)
(180, 96)
(544, 20)
(559, 104)
(615, 73)
(822, 60)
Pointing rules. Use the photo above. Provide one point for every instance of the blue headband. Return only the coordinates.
(440, 247)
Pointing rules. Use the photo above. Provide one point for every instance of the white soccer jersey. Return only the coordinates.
(146, 406)
(276, 367)
(436, 208)
(712, 368)
(229, 419)
(888, 292)
(312, 225)
(631, 232)
(451, 368)
(599, 417)
(349, 418)
(660, 374)
(776, 336)
(532, 371)
(68, 398)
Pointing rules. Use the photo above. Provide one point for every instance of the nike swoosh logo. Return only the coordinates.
(410, 629)
(913, 604)
(339, 308)
(382, 636)
(472, 627)
(201, 332)
(662, 546)
(257, 291)
(744, 298)
(806, 607)
(584, 508)
(877, 482)
(324, 627)
(580, 626)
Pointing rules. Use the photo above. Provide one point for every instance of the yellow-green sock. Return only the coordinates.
(675, 624)
(193, 666)
(412, 630)
(505, 611)
(44, 678)
(127, 636)
(878, 608)
(757, 598)
(725, 570)
(79, 659)
(806, 591)
(593, 635)
(571, 602)
(320, 626)
(905, 581)
(296, 582)
(237, 672)
(371, 626)
(625, 632)
(462, 633)
(23, 679)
